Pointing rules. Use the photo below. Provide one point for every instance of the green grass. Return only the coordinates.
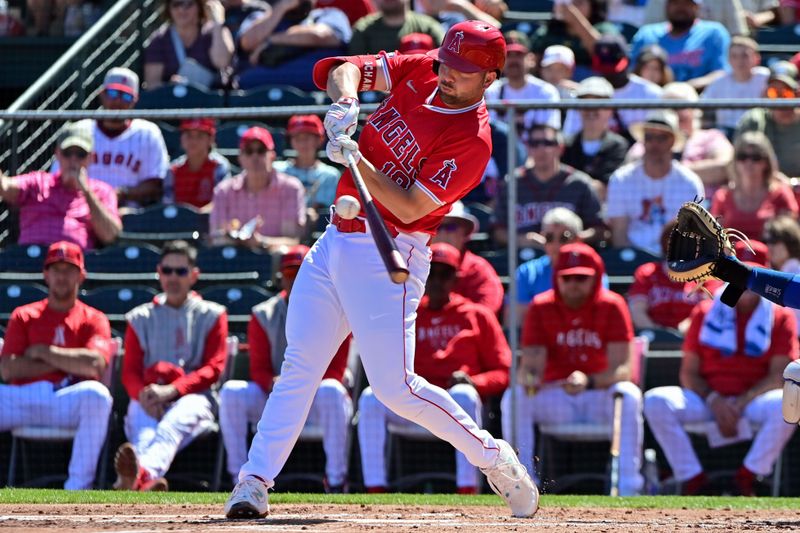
(48, 496)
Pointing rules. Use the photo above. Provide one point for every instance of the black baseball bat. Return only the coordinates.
(395, 264)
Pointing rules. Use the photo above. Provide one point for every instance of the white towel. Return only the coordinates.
(719, 328)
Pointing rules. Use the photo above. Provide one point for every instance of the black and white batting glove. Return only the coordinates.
(342, 118)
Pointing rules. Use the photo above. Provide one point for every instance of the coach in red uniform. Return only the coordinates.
(55, 352)
(461, 348)
(576, 349)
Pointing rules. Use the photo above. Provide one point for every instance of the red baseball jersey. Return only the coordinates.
(576, 339)
(462, 336)
(416, 140)
(736, 373)
(36, 323)
(478, 282)
(668, 302)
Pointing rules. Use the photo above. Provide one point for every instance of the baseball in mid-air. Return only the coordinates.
(347, 207)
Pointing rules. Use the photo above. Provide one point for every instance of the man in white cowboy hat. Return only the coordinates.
(644, 195)
(476, 279)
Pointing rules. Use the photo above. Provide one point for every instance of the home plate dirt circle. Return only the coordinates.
(307, 518)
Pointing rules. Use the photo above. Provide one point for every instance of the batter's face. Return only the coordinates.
(177, 277)
(575, 290)
(461, 89)
(63, 281)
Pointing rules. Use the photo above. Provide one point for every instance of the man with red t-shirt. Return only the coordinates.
(476, 279)
(175, 351)
(460, 347)
(731, 378)
(55, 352)
(425, 147)
(241, 402)
(191, 177)
(576, 350)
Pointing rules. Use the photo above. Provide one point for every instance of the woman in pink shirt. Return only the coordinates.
(756, 194)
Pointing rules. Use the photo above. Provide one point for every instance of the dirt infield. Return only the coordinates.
(386, 518)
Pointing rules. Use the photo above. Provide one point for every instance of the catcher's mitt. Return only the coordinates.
(696, 243)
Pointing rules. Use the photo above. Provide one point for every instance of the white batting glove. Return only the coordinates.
(342, 118)
(337, 147)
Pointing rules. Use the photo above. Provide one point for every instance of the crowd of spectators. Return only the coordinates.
(590, 177)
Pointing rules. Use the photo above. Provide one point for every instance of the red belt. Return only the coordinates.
(357, 225)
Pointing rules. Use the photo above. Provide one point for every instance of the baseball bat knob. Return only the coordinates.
(399, 276)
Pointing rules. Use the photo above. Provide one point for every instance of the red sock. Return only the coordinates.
(466, 490)
(692, 486)
(376, 490)
(744, 480)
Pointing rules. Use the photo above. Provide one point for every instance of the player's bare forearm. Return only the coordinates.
(105, 225)
(408, 205)
(619, 369)
(690, 375)
(343, 81)
(76, 361)
(19, 367)
(262, 29)
(9, 191)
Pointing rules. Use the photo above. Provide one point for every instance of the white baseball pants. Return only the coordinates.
(668, 408)
(374, 418)
(84, 406)
(157, 441)
(242, 402)
(343, 286)
(555, 406)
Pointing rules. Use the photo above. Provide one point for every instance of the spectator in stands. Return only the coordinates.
(416, 43)
(175, 351)
(790, 11)
(191, 178)
(50, 16)
(476, 279)
(10, 24)
(194, 47)
(696, 48)
(260, 193)
(645, 195)
(130, 155)
(655, 300)
(595, 149)
(55, 353)
(761, 13)
(731, 374)
(306, 137)
(629, 12)
(354, 9)
(610, 60)
(459, 346)
(781, 126)
(285, 41)
(756, 194)
(517, 84)
(237, 11)
(746, 79)
(707, 152)
(577, 25)
(652, 64)
(241, 402)
(450, 12)
(66, 204)
(729, 13)
(544, 183)
(557, 68)
(383, 30)
(782, 237)
(576, 351)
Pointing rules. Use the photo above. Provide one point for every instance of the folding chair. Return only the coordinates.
(13, 295)
(133, 262)
(180, 96)
(231, 264)
(161, 223)
(238, 300)
(22, 262)
(621, 263)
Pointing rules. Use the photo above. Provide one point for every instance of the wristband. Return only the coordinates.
(590, 382)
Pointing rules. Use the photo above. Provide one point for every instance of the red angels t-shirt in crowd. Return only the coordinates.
(195, 187)
(779, 200)
(734, 374)
(462, 336)
(36, 323)
(477, 281)
(416, 140)
(576, 339)
(668, 302)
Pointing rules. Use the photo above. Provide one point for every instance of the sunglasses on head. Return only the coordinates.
(186, 4)
(755, 158)
(116, 94)
(70, 153)
(178, 271)
(261, 150)
(774, 92)
(577, 278)
(563, 237)
(547, 143)
(656, 137)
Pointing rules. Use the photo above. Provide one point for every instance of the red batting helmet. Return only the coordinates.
(472, 46)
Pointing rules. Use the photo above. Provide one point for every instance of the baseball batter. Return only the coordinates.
(423, 149)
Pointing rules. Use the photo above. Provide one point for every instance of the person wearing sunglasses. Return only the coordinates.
(542, 184)
(65, 204)
(175, 351)
(780, 125)
(576, 347)
(259, 191)
(476, 279)
(756, 193)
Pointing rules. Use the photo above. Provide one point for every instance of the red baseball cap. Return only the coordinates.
(294, 256)
(577, 259)
(64, 252)
(759, 257)
(206, 125)
(416, 43)
(610, 54)
(305, 124)
(446, 254)
(257, 134)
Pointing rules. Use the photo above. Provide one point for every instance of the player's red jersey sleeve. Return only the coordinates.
(620, 325)
(495, 354)
(339, 363)
(642, 280)
(16, 337)
(97, 332)
(691, 342)
(215, 354)
(133, 364)
(784, 333)
(532, 332)
(261, 371)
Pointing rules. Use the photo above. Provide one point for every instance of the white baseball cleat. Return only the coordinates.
(249, 499)
(510, 480)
